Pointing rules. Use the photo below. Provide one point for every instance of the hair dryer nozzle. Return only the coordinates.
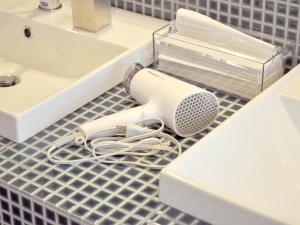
(130, 73)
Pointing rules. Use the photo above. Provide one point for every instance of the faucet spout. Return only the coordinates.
(91, 15)
(50, 4)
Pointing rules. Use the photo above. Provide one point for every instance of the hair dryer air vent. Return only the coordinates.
(195, 113)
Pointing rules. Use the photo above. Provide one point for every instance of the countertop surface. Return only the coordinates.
(33, 189)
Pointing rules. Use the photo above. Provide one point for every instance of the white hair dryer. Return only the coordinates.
(183, 107)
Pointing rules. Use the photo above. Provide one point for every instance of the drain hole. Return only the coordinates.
(8, 80)
(27, 32)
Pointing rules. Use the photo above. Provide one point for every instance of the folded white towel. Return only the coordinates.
(189, 50)
(196, 67)
(205, 29)
(214, 78)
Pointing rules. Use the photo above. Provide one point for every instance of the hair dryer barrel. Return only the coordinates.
(185, 108)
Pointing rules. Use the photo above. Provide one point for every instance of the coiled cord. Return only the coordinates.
(130, 140)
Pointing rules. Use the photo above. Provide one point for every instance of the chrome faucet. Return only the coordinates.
(50, 4)
(91, 15)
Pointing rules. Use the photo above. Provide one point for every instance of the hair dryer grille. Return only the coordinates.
(195, 113)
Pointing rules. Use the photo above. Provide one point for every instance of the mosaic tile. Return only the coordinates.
(37, 192)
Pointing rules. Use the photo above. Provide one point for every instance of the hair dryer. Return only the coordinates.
(184, 108)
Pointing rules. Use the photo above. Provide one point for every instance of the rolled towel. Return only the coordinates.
(185, 48)
(203, 54)
(214, 78)
(205, 29)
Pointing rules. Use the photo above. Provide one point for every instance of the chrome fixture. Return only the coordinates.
(50, 4)
(91, 15)
(8, 80)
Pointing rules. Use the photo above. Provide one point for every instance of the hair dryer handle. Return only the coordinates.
(132, 115)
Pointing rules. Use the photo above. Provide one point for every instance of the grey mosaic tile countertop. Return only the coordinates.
(34, 191)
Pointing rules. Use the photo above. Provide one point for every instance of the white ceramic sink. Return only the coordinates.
(247, 171)
(59, 69)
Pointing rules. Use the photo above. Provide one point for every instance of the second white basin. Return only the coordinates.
(247, 171)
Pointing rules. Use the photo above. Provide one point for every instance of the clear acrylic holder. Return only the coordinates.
(237, 79)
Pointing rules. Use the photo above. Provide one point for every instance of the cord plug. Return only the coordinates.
(135, 140)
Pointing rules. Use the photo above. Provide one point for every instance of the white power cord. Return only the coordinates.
(132, 139)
